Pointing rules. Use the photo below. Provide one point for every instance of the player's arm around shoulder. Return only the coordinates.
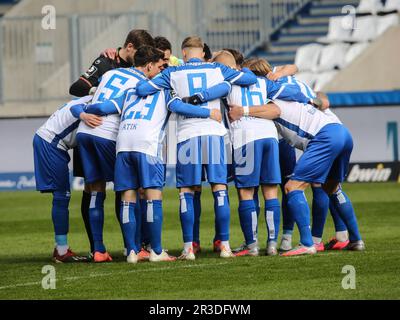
(79, 112)
(282, 71)
(158, 83)
(185, 109)
(268, 111)
(113, 106)
(218, 91)
(90, 78)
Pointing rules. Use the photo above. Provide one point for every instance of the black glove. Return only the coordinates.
(194, 99)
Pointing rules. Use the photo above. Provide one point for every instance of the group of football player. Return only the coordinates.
(236, 119)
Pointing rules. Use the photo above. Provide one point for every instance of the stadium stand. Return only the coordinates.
(375, 69)
(345, 37)
(392, 5)
(6, 5)
(369, 6)
(320, 36)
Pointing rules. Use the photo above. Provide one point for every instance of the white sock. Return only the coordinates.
(187, 246)
(272, 244)
(342, 236)
(62, 249)
(287, 237)
(253, 245)
(316, 240)
(226, 245)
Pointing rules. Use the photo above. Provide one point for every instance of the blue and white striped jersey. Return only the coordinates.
(304, 88)
(299, 122)
(248, 129)
(112, 83)
(307, 91)
(191, 78)
(143, 122)
(60, 128)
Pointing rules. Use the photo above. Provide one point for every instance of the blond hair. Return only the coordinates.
(192, 42)
(259, 66)
(226, 58)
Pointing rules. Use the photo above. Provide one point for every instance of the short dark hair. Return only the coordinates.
(138, 38)
(239, 58)
(207, 52)
(162, 43)
(147, 54)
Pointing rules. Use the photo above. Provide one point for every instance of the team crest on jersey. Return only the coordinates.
(90, 71)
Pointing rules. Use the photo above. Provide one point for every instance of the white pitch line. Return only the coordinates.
(97, 275)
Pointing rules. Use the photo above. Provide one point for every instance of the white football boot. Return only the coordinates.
(163, 256)
(132, 257)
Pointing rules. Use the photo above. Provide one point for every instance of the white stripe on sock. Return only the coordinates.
(93, 196)
(183, 203)
(269, 217)
(341, 198)
(125, 213)
(254, 223)
(149, 213)
(220, 201)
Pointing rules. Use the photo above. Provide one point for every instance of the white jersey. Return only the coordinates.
(299, 123)
(143, 122)
(249, 129)
(184, 81)
(303, 87)
(112, 83)
(331, 115)
(60, 128)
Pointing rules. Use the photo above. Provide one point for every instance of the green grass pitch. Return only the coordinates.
(26, 244)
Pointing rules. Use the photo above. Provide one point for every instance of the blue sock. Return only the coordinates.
(288, 221)
(343, 206)
(222, 214)
(154, 219)
(337, 220)
(139, 222)
(145, 227)
(272, 218)
(298, 207)
(118, 210)
(197, 213)
(96, 219)
(60, 216)
(128, 225)
(186, 214)
(248, 220)
(320, 207)
(256, 201)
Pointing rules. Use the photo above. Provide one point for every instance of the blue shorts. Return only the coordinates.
(134, 170)
(201, 157)
(287, 158)
(51, 166)
(257, 163)
(98, 157)
(326, 157)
